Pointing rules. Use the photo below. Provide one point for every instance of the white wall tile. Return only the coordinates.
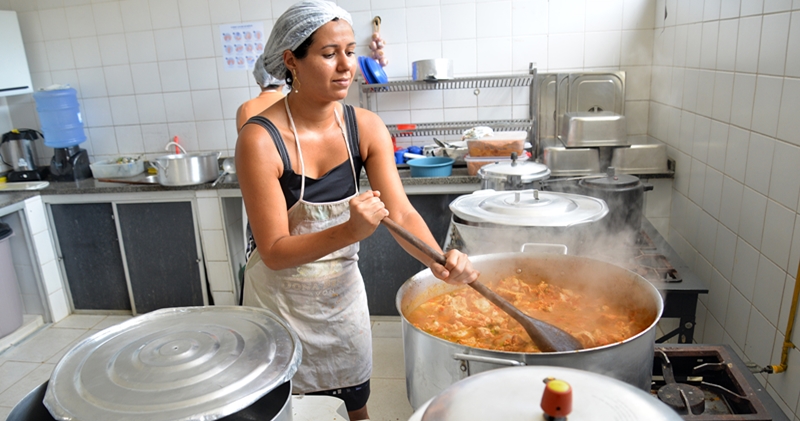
(687, 132)
(151, 108)
(123, 110)
(155, 137)
(706, 235)
(44, 247)
(179, 107)
(759, 158)
(30, 26)
(423, 24)
(752, 7)
(690, 82)
(713, 332)
(146, 79)
(602, 49)
(202, 73)
(604, 15)
(224, 298)
(209, 214)
(738, 317)
(104, 141)
(36, 53)
(531, 49)
(135, 15)
(97, 112)
(777, 238)
(751, 220)
(206, 105)
(679, 49)
(211, 135)
(719, 290)
(769, 288)
(565, 51)
(736, 154)
(712, 199)
(711, 10)
(129, 140)
(745, 269)
(771, 6)
(214, 247)
(492, 19)
(113, 49)
(794, 255)
(80, 20)
(224, 11)
(774, 37)
(723, 96)
(705, 92)
(760, 338)
(460, 21)
(174, 75)
(194, 12)
(495, 54)
(529, 17)
(637, 48)
(59, 309)
(165, 14)
(567, 16)
(86, 52)
(54, 24)
(731, 201)
(725, 252)
(107, 18)
(744, 88)
(697, 181)
(787, 385)
(729, 9)
(118, 80)
(141, 47)
(789, 120)
(219, 276)
(186, 132)
(784, 187)
(793, 50)
(708, 49)
(169, 44)
(749, 40)
(767, 107)
(200, 42)
(639, 14)
(59, 54)
(694, 45)
(726, 44)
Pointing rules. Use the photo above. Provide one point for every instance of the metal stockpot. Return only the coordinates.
(432, 364)
(624, 195)
(187, 169)
(514, 175)
(489, 221)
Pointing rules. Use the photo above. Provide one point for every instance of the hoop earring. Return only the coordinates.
(295, 82)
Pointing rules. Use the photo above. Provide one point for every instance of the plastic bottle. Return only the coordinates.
(60, 116)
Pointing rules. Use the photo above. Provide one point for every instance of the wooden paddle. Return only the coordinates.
(546, 336)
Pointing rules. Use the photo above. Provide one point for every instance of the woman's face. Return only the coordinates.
(330, 66)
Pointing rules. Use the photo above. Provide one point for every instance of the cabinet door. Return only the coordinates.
(87, 237)
(162, 254)
(385, 265)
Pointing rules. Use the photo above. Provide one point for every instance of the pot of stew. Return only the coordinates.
(450, 332)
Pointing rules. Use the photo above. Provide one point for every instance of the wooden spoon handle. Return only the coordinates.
(416, 242)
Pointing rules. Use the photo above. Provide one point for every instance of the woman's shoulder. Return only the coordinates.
(366, 117)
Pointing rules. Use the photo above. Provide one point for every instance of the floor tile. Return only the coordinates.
(80, 321)
(57, 357)
(43, 345)
(387, 358)
(110, 321)
(21, 388)
(388, 400)
(4, 411)
(12, 371)
(387, 329)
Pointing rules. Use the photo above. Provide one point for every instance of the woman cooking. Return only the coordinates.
(298, 164)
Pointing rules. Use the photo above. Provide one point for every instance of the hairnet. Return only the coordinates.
(264, 79)
(294, 26)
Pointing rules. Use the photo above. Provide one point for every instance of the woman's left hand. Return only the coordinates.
(457, 270)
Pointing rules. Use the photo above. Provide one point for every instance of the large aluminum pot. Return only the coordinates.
(432, 364)
(187, 169)
(515, 175)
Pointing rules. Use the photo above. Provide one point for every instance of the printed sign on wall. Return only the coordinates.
(242, 43)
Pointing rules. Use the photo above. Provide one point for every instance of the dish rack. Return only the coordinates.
(367, 97)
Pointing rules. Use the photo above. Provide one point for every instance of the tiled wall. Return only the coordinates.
(725, 98)
(147, 70)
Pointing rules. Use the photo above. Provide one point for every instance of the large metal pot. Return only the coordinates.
(432, 364)
(186, 169)
(515, 175)
(432, 70)
(217, 362)
(487, 221)
(624, 195)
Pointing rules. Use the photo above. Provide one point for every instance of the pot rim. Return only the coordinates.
(638, 278)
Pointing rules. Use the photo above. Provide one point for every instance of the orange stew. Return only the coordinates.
(463, 316)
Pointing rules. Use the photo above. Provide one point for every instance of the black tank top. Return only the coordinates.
(336, 184)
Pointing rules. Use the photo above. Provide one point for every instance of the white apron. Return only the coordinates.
(324, 301)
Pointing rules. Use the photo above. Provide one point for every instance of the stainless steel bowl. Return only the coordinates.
(432, 70)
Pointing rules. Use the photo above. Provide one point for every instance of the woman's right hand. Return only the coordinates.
(366, 213)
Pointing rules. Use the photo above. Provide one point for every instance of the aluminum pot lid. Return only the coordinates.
(175, 364)
(528, 208)
(528, 171)
(515, 394)
(612, 181)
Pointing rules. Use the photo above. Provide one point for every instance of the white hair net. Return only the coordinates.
(264, 79)
(294, 26)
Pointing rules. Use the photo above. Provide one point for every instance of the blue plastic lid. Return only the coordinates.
(374, 71)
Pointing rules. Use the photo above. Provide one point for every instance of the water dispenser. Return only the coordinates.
(60, 117)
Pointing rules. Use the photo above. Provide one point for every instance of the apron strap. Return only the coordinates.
(277, 139)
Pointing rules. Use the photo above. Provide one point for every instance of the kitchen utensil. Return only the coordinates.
(186, 169)
(433, 363)
(566, 162)
(489, 221)
(113, 169)
(372, 70)
(427, 166)
(432, 70)
(147, 180)
(590, 129)
(648, 158)
(515, 175)
(228, 167)
(516, 394)
(624, 195)
(17, 150)
(546, 336)
(179, 364)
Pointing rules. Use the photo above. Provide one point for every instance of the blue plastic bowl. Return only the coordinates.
(437, 166)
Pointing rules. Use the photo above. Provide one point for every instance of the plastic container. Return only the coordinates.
(500, 144)
(111, 169)
(431, 167)
(60, 117)
(475, 163)
(10, 299)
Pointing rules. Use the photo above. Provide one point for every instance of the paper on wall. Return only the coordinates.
(242, 43)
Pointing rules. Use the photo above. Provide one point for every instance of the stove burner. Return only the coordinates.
(679, 396)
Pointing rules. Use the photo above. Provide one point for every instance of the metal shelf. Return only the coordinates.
(457, 128)
(458, 83)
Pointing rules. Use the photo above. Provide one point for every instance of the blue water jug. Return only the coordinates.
(60, 117)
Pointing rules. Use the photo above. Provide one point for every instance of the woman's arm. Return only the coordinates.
(258, 168)
(378, 155)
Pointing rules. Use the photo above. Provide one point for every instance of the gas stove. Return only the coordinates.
(709, 383)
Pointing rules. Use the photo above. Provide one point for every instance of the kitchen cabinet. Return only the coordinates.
(385, 265)
(15, 79)
(137, 257)
(90, 256)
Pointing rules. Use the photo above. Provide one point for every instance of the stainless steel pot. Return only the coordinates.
(432, 70)
(187, 169)
(514, 175)
(432, 364)
(489, 221)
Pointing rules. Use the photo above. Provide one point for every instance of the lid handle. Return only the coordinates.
(513, 159)
(611, 172)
